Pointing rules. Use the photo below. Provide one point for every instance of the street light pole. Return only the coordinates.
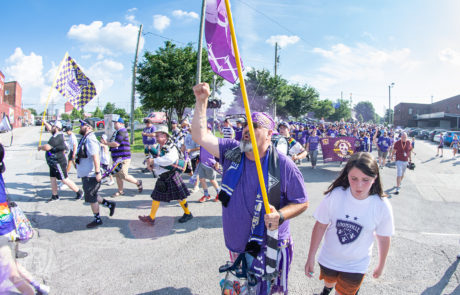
(389, 102)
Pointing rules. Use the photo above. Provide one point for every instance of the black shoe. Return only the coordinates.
(53, 198)
(21, 254)
(185, 218)
(79, 195)
(94, 223)
(139, 186)
(111, 207)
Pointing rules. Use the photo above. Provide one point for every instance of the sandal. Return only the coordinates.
(117, 194)
(139, 186)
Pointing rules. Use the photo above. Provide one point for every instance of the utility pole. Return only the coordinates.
(200, 43)
(214, 78)
(276, 90)
(133, 89)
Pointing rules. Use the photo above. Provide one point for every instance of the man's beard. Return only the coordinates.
(82, 132)
(53, 131)
(245, 146)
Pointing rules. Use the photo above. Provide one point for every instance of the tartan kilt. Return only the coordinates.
(169, 187)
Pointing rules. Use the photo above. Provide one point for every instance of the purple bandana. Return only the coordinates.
(264, 120)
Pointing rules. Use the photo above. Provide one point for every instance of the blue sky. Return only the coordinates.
(338, 47)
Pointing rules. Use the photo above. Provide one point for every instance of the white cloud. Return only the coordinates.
(161, 22)
(450, 55)
(283, 40)
(103, 74)
(26, 69)
(184, 14)
(107, 40)
(130, 17)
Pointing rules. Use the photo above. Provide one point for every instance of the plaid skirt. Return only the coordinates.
(169, 187)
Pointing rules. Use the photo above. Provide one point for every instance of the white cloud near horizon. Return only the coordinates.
(184, 14)
(111, 39)
(282, 40)
(161, 22)
(450, 56)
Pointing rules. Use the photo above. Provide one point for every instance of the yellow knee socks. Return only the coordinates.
(184, 206)
(153, 211)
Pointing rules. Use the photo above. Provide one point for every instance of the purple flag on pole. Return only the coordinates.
(218, 39)
(338, 148)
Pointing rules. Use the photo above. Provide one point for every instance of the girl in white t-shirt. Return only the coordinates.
(354, 210)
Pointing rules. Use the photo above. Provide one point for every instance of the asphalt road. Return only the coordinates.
(124, 256)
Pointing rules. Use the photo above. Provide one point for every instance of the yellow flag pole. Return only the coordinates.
(247, 109)
(49, 96)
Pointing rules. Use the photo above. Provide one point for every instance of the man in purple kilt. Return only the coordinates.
(247, 229)
(163, 161)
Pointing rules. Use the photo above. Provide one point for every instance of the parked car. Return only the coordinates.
(423, 134)
(100, 124)
(157, 117)
(434, 132)
(449, 135)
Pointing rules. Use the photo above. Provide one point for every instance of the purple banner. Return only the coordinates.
(219, 41)
(338, 149)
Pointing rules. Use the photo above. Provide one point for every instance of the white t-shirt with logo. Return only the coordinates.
(349, 238)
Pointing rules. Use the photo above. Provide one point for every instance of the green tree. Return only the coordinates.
(366, 110)
(33, 111)
(360, 118)
(301, 100)
(98, 113)
(139, 114)
(341, 110)
(122, 113)
(166, 77)
(386, 115)
(109, 108)
(76, 114)
(66, 117)
(323, 108)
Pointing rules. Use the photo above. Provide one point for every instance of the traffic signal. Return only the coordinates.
(214, 104)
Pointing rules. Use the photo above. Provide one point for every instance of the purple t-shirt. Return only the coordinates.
(206, 158)
(237, 216)
(149, 140)
(238, 133)
(313, 141)
(384, 143)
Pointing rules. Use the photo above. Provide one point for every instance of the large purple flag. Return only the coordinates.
(218, 39)
(338, 148)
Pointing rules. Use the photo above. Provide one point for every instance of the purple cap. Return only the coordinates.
(264, 120)
(84, 122)
(210, 126)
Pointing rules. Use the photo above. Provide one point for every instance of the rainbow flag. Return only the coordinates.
(6, 218)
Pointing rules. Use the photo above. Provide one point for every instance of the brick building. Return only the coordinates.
(11, 102)
(441, 114)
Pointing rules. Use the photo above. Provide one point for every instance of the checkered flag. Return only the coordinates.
(73, 84)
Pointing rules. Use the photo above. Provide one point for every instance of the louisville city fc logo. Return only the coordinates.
(347, 231)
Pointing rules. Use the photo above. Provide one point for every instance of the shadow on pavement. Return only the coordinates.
(131, 229)
(429, 160)
(439, 287)
(169, 291)
(318, 175)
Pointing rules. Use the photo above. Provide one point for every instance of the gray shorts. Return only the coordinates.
(401, 168)
(382, 154)
(90, 188)
(206, 172)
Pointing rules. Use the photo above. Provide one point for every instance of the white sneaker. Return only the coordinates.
(111, 182)
(43, 289)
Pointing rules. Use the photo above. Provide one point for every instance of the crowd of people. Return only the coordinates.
(344, 221)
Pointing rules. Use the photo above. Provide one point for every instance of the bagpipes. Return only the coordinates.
(114, 169)
(179, 165)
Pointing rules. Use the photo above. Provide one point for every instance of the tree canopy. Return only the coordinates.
(166, 78)
(366, 110)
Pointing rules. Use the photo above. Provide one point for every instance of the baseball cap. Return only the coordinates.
(173, 121)
(285, 124)
(84, 122)
(163, 129)
(119, 120)
(57, 124)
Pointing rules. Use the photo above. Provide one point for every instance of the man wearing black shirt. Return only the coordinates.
(56, 159)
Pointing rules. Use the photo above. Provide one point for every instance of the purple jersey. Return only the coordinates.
(237, 216)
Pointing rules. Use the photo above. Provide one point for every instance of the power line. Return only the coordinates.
(170, 39)
(275, 22)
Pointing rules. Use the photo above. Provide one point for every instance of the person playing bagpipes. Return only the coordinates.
(246, 227)
(288, 145)
(165, 162)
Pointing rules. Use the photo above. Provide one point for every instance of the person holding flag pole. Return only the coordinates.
(260, 238)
